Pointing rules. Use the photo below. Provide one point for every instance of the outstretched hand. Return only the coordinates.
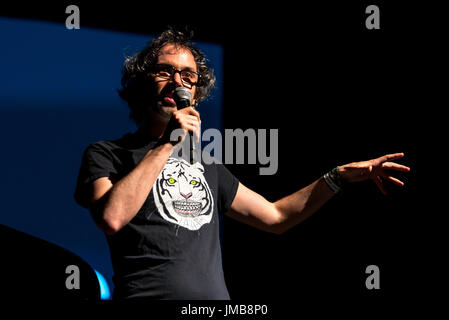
(375, 169)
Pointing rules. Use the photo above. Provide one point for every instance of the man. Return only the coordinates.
(160, 213)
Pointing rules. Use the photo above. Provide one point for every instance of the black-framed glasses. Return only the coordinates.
(189, 78)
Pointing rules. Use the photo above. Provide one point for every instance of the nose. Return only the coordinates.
(186, 196)
(177, 79)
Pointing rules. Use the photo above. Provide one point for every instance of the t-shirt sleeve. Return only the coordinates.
(227, 188)
(96, 162)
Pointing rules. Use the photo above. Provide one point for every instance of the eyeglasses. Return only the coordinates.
(188, 78)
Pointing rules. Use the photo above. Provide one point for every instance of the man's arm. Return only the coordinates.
(114, 203)
(277, 217)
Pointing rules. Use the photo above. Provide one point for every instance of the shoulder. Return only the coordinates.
(107, 146)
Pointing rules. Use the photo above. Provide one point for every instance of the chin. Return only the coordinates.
(165, 111)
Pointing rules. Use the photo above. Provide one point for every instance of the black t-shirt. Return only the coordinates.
(171, 248)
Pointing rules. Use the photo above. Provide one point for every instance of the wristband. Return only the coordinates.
(336, 177)
(331, 183)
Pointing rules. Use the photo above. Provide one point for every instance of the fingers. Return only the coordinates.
(193, 125)
(179, 134)
(378, 181)
(185, 120)
(190, 111)
(392, 156)
(379, 184)
(376, 170)
(193, 122)
(188, 121)
(395, 181)
(188, 116)
(197, 130)
(395, 166)
(192, 118)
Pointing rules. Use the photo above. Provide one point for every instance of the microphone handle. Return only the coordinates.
(181, 105)
(192, 146)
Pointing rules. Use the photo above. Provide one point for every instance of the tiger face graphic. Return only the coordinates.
(182, 195)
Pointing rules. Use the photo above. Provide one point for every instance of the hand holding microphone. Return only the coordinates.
(186, 118)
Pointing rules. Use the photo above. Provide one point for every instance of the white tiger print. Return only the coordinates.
(182, 195)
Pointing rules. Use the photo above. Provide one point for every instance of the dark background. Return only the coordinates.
(338, 93)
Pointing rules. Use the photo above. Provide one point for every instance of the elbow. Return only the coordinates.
(110, 224)
(108, 227)
(278, 225)
(277, 229)
(104, 222)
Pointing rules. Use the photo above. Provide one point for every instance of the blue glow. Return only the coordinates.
(105, 293)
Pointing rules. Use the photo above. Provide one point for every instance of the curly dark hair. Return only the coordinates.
(137, 83)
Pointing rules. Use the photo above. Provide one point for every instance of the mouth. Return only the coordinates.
(167, 99)
(187, 208)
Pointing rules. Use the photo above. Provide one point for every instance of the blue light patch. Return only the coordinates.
(105, 293)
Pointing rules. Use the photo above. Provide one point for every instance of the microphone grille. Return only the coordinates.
(182, 93)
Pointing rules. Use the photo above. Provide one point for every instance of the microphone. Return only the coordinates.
(182, 98)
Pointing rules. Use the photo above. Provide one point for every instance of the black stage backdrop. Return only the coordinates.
(337, 93)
